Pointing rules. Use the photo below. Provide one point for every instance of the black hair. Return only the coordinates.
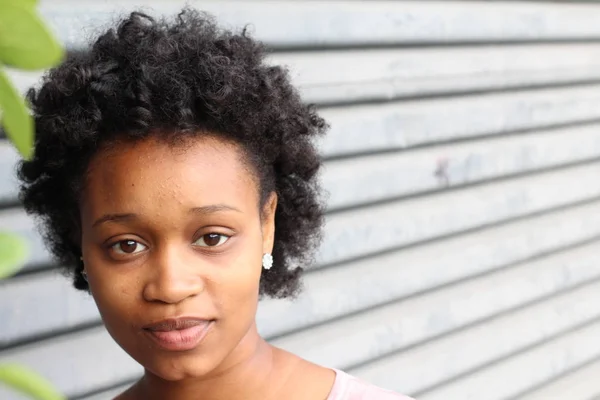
(175, 79)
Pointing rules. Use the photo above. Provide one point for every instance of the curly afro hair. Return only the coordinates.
(175, 79)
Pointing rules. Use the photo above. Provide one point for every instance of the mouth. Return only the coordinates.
(179, 334)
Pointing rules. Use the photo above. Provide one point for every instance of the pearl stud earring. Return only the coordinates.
(267, 261)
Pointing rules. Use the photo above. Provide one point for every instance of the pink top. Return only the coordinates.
(347, 387)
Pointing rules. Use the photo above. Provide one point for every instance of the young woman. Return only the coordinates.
(175, 175)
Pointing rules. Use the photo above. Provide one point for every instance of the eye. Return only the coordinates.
(211, 240)
(124, 247)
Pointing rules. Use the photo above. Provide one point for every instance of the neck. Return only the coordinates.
(245, 374)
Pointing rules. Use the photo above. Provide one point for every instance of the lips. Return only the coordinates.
(179, 334)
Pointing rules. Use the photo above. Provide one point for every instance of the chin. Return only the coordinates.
(180, 367)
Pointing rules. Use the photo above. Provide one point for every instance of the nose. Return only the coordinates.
(173, 277)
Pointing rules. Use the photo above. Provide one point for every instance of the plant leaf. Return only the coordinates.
(13, 254)
(29, 382)
(25, 41)
(28, 3)
(17, 121)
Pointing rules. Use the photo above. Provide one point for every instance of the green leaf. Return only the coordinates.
(13, 254)
(25, 41)
(28, 382)
(28, 3)
(17, 121)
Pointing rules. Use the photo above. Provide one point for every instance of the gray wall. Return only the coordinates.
(463, 165)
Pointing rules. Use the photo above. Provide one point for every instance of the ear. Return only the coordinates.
(268, 222)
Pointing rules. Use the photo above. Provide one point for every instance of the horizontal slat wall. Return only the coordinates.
(378, 74)
(519, 372)
(582, 383)
(402, 125)
(463, 221)
(375, 74)
(302, 24)
(476, 346)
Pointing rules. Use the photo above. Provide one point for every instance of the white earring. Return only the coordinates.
(267, 261)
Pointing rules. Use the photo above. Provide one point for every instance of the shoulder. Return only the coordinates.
(347, 387)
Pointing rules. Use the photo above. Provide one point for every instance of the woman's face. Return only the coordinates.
(173, 239)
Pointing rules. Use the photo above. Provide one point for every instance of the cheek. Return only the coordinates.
(239, 282)
(235, 288)
(115, 296)
(119, 303)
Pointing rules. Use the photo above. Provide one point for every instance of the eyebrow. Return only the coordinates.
(114, 218)
(204, 210)
(212, 209)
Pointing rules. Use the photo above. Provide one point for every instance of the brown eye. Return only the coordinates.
(127, 247)
(211, 240)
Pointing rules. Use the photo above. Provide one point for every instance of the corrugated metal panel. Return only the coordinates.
(464, 208)
(505, 379)
(378, 332)
(402, 125)
(350, 23)
(479, 346)
(375, 74)
(582, 383)
(385, 74)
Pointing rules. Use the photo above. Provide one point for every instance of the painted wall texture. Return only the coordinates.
(461, 256)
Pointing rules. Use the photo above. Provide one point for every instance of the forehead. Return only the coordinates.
(153, 173)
